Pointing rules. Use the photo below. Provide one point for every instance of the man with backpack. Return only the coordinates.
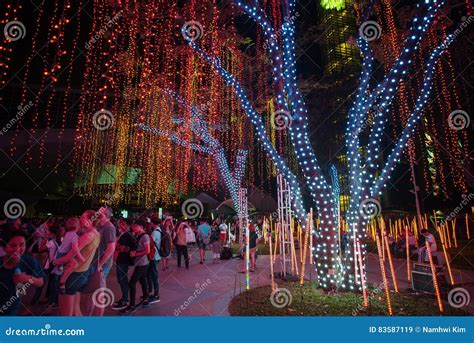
(140, 255)
(154, 258)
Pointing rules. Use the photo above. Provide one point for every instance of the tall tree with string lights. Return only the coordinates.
(367, 175)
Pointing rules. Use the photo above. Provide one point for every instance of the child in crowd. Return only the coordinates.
(216, 244)
(70, 242)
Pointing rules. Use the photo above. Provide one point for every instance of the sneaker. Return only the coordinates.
(154, 299)
(145, 303)
(128, 310)
(119, 305)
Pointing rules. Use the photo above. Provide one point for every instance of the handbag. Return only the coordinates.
(190, 237)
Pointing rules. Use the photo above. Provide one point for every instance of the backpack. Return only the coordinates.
(214, 236)
(226, 253)
(165, 244)
(151, 254)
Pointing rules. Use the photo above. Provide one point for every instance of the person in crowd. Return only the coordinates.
(216, 244)
(16, 224)
(344, 242)
(153, 276)
(165, 247)
(18, 272)
(123, 260)
(204, 232)
(40, 237)
(422, 253)
(57, 234)
(140, 256)
(70, 243)
(40, 251)
(89, 241)
(412, 240)
(253, 240)
(181, 244)
(47, 247)
(108, 238)
(391, 243)
(103, 258)
(223, 233)
(400, 245)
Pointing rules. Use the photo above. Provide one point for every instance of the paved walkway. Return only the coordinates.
(206, 290)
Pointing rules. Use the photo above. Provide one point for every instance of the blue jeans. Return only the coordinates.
(153, 278)
(122, 278)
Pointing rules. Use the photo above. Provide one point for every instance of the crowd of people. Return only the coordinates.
(70, 258)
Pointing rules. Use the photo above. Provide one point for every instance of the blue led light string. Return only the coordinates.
(326, 247)
(357, 121)
(392, 81)
(260, 130)
(381, 97)
(413, 119)
(409, 46)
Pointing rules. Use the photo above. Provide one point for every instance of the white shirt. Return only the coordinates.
(430, 239)
(52, 249)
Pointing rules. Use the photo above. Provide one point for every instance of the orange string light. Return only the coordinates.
(394, 276)
(384, 277)
(435, 278)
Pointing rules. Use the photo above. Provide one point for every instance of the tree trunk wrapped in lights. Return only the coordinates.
(366, 182)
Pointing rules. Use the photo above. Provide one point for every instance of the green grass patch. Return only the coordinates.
(311, 301)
